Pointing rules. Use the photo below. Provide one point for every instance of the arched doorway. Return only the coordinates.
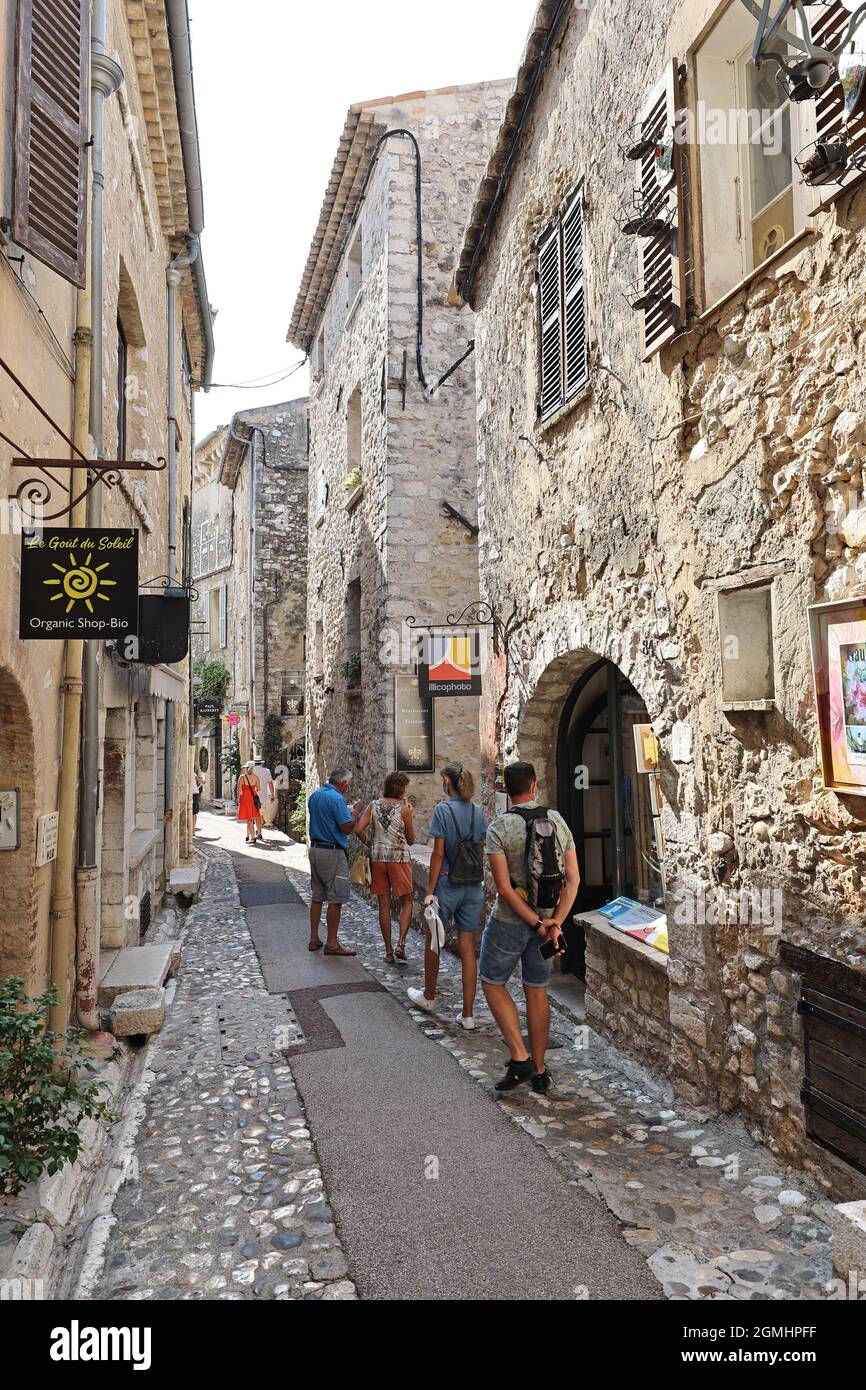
(606, 801)
(18, 898)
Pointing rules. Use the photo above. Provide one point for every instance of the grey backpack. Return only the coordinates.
(467, 866)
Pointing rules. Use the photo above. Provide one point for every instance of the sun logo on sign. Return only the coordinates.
(80, 584)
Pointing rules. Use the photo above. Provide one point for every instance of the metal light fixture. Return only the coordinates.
(813, 68)
(824, 161)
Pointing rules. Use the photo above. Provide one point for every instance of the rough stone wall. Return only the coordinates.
(627, 998)
(608, 527)
(409, 558)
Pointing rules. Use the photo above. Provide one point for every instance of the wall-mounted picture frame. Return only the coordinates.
(837, 634)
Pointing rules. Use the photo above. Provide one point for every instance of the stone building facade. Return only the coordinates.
(386, 452)
(151, 177)
(657, 500)
(250, 571)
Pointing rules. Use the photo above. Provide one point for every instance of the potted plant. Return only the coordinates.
(351, 670)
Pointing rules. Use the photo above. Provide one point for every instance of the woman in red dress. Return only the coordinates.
(248, 790)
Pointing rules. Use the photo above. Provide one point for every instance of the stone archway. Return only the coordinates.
(19, 912)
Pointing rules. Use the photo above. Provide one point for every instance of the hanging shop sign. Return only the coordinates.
(78, 582)
(452, 665)
(414, 727)
(233, 719)
(163, 627)
(209, 707)
(838, 638)
(646, 748)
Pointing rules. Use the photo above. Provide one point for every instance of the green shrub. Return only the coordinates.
(298, 814)
(231, 760)
(352, 480)
(351, 669)
(44, 1094)
(211, 676)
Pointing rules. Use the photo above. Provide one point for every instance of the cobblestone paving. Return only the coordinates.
(228, 1201)
(714, 1214)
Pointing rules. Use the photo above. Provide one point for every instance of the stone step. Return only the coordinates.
(138, 967)
(185, 880)
(137, 1012)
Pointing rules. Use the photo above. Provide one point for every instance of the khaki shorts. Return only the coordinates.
(329, 871)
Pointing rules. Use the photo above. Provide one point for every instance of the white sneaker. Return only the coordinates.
(467, 1023)
(420, 999)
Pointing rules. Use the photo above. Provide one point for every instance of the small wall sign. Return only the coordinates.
(46, 838)
(10, 818)
(78, 582)
(414, 732)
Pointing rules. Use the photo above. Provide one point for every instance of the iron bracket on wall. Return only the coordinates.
(475, 615)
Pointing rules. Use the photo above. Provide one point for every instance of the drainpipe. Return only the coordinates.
(63, 895)
(173, 277)
(106, 77)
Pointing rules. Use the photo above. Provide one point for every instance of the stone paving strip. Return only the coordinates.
(715, 1216)
(226, 1198)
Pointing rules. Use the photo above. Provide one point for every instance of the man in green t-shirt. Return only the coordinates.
(515, 932)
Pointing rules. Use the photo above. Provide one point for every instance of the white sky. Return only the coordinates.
(274, 80)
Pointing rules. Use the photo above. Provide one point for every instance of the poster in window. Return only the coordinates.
(838, 637)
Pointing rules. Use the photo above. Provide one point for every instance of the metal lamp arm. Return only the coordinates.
(768, 28)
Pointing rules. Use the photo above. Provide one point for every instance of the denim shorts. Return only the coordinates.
(462, 903)
(503, 945)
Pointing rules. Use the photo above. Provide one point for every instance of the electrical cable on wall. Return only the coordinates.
(401, 134)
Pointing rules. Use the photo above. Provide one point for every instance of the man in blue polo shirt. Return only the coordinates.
(331, 823)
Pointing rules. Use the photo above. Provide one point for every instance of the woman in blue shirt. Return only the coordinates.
(457, 819)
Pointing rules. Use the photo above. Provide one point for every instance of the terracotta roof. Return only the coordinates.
(357, 143)
(548, 19)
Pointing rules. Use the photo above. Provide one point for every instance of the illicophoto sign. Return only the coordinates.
(78, 582)
(452, 666)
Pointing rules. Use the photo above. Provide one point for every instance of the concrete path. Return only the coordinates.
(436, 1194)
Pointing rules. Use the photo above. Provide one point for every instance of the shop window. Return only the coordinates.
(745, 617)
(748, 133)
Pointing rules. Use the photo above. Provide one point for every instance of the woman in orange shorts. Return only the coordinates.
(387, 830)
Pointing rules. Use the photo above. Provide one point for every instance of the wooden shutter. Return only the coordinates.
(828, 25)
(51, 120)
(576, 354)
(550, 307)
(661, 259)
(223, 613)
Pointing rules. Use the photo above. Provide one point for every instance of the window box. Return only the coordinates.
(354, 498)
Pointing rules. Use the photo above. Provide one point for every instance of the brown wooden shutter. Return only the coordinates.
(576, 354)
(51, 120)
(828, 26)
(550, 306)
(661, 260)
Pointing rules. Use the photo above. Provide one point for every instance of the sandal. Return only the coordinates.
(400, 953)
(389, 957)
(339, 951)
(315, 946)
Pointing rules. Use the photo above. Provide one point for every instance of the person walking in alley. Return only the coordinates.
(387, 829)
(534, 866)
(248, 799)
(331, 824)
(267, 796)
(456, 881)
(197, 784)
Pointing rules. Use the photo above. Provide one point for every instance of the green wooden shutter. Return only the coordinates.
(51, 120)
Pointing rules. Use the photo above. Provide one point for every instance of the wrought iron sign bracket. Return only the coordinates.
(476, 615)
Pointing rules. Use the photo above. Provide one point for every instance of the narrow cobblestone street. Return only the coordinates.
(257, 1172)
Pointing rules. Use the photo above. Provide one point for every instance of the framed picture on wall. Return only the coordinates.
(837, 633)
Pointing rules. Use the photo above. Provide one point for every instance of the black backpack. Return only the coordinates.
(545, 862)
(467, 866)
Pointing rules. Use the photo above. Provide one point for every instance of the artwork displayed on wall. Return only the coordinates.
(414, 731)
(838, 638)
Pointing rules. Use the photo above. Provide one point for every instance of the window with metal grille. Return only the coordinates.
(51, 115)
(562, 309)
(144, 916)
